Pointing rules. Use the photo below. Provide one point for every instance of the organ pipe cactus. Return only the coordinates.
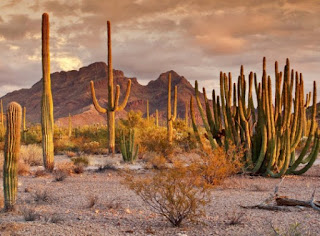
(270, 132)
(11, 155)
(113, 99)
(128, 151)
(47, 122)
(170, 117)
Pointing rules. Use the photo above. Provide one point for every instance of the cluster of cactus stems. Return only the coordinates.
(69, 126)
(47, 122)
(270, 132)
(186, 116)
(128, 150)
(170, 117)
(113, 99)
(24, 126)
(11, 155)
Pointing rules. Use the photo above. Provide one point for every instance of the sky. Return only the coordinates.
(195, 38)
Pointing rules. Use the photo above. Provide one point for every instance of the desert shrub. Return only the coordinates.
(54, 218)
(176, 193)
(23, 168)
(71, 154)
(216, 165)
(156, 161)
(91, 147)
(40, 173)
(31, 154)
(64, 167)
(81, 160)
(33, 135)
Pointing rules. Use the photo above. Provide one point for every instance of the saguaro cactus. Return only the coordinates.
(47, 122)
(157, 118)
(171, 118)
(113, 100)
(148, 114)
(70, 126)
(11, 155)
(2, 130)
(24, 126)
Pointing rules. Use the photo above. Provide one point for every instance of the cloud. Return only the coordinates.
(195, 38)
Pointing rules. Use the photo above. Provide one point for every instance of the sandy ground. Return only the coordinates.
(118, 211)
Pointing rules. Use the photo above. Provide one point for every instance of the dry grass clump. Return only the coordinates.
(65, 166)
(23, 168)
(40, 173)
(31, 154)
(70, 154)
(92, 201)
(30, 214)
(176, 193)
(41, 196)
(156, 161)
(81, 160)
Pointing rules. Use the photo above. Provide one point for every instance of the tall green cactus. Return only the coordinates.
(11, 155)
(270, 135)
(2, 129)
(170, 117)
(113, 100)
(47, 122)
(148, 114)
(24, 126)
(157, 118)
(186, 116)
(69, 126)
(128, 151)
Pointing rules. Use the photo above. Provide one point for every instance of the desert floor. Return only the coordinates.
(118, 211)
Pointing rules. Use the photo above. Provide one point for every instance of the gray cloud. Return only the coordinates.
(195, 38)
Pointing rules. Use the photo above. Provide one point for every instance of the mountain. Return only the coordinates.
(71, 94)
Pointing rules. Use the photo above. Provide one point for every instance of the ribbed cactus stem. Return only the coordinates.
(186, 114)
(69, 126)
(11, 155)
(113, 99)
(24, 126)
(171, 118)
(148, 114)
(47, 122)
(157, 118)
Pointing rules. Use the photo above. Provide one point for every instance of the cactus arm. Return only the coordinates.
(312, 157)
(148, 114)
(126, 97)
(193, 121)
(208, 112)
(205, 123)
(116, 99)
(175, 103)
(95, 101)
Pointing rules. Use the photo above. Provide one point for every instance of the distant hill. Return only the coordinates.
(71, 94)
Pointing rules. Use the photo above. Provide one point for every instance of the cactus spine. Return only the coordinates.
(129, 153)
(11, 155)
(271, 136)
(171, 118)
(47, 122)
(69, 126)
(113, 100)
